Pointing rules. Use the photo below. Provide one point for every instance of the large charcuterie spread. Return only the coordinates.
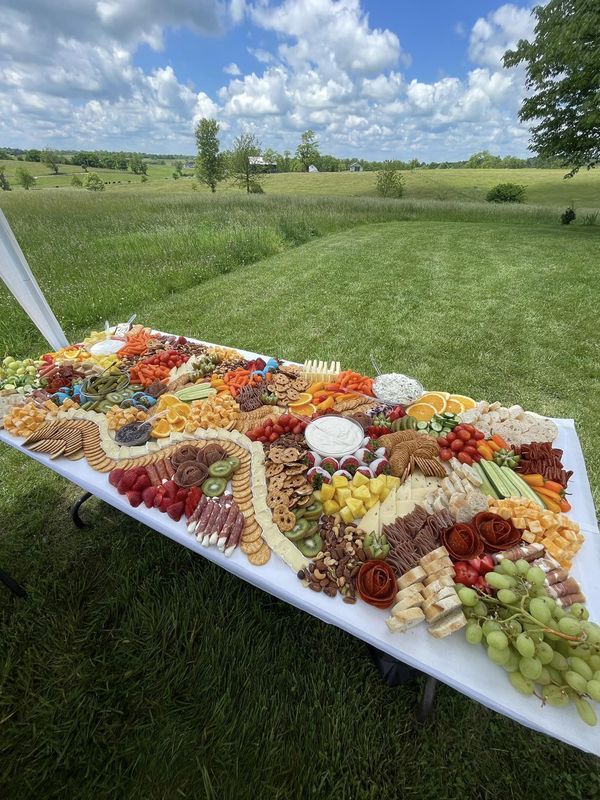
(436, 509)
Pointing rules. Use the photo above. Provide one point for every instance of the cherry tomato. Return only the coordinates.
(297, 428)
(468, 427)
(446, 454)
(465, 458)
(277, 428)
(479, 435)
(464, 435)
(457, 428)
(273, 437)
(284, 419)
(451, 436)
(443, 442)
(472, 442)
(472, 451)
(457, 445)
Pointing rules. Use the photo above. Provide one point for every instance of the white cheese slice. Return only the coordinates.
(370, 523)
(388, 510)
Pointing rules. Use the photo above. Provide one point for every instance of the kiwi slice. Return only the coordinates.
(314, 510)
(235, 463)
(220, 469)
(214, 487)
(300, 531)
(311, 546)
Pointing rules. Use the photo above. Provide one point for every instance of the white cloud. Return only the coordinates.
(71, 79)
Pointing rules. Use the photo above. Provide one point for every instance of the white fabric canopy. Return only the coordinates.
(451, 660)
(16, 274)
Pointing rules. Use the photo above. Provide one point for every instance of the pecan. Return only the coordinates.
(316, 587)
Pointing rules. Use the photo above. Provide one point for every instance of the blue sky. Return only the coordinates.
(375, 79)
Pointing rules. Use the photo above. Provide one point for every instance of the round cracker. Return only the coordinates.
(261, 557)
(251, 547)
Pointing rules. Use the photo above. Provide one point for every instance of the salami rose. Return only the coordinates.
(495, 532)
(462, 542)
(376, 583)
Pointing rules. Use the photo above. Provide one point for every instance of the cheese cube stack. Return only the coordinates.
(317, 371)
(560, 536)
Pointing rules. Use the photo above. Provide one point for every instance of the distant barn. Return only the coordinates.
(356, 166)
(259, 164)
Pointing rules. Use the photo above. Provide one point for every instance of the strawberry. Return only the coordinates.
(135, 498)
(165, 503)
(170, 489)
(158, 498)
(330, 465)
(364, 470)
(141, 482)
(380, 466)
(181, 494)
(192, 500)
(115, 476)
(127, 481)
(175, 510)
(148, 496)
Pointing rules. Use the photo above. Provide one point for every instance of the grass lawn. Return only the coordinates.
(136, 669)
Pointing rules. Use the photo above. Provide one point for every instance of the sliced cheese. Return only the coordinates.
(370, 523)
(404, 507)
(388, 510)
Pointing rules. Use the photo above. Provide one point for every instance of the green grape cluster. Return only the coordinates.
(546, 650)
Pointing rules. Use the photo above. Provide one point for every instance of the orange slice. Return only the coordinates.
(422, 412)
(303, 399)
(306, 410)
(162, 429)
(434, 399)
(454, 407)
(168, 401)
(467, 402)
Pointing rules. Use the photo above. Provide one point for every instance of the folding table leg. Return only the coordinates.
(77, 521)
(425, 709)
(11, 584)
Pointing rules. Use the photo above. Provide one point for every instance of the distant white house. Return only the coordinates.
(260, 165)
(312, 168)
(356, 166)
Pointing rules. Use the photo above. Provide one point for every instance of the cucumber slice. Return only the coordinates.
(449, 415)
(422, 426)
(435, 426)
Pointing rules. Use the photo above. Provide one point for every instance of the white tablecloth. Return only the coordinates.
(451, 660)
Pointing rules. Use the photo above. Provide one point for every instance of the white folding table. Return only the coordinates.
(452, 661)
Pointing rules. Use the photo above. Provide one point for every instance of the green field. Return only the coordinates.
(138, 670)
(546, 187)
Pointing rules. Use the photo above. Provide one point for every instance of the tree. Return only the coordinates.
(76, 181)
(33, 155)
(307, 151)
(210, 168)
(24, 178)
(389, 182)
(240, 170)
(137, 164)
(178, 168)
(50, 159)
(562, 66)
(94, 182)
(4, 184)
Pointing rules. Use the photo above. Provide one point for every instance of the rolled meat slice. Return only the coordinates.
(557, 575)
(204, 520)
(153, 475)
(228, 526)
(161, 469)
(217, 525)
(216, 510)
(235, 535)
(169, 468)
(569, 586)
(569, 599)
(526, 551)
(193, 520)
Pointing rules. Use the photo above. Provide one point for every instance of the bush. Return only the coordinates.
(506, 193)
(255, 187)
(76, 181)
(567, 216)
(590, 219)
(194, 186)
(94, 182)
(390, 182)
(4, 184)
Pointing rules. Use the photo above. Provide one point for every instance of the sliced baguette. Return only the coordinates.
(440, 608)
(447, 591)
(429, 558)
(433, 588)
(414, 575)
(445, 572)
(410, 601)
(448, 624)
(415, 587)
(405, 620)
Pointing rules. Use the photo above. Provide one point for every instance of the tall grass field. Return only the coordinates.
(136, 669)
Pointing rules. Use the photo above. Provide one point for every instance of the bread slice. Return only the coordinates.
(448, 624)
(429, 558)
(433, 588)
(405, 620)
(415, 587)
(440, 608)
(446, 572)
(447, 591)
(410, 601)
(413, 575)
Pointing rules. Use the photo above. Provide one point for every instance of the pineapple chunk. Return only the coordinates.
(391, 481)
(339, 481)
(342, 495)
(327, 492)
(356, 507)
(330, 507)
(346, 515)
(384, 493)
(372, 501)
(377, 485)
(362, 493)
(360, 480)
